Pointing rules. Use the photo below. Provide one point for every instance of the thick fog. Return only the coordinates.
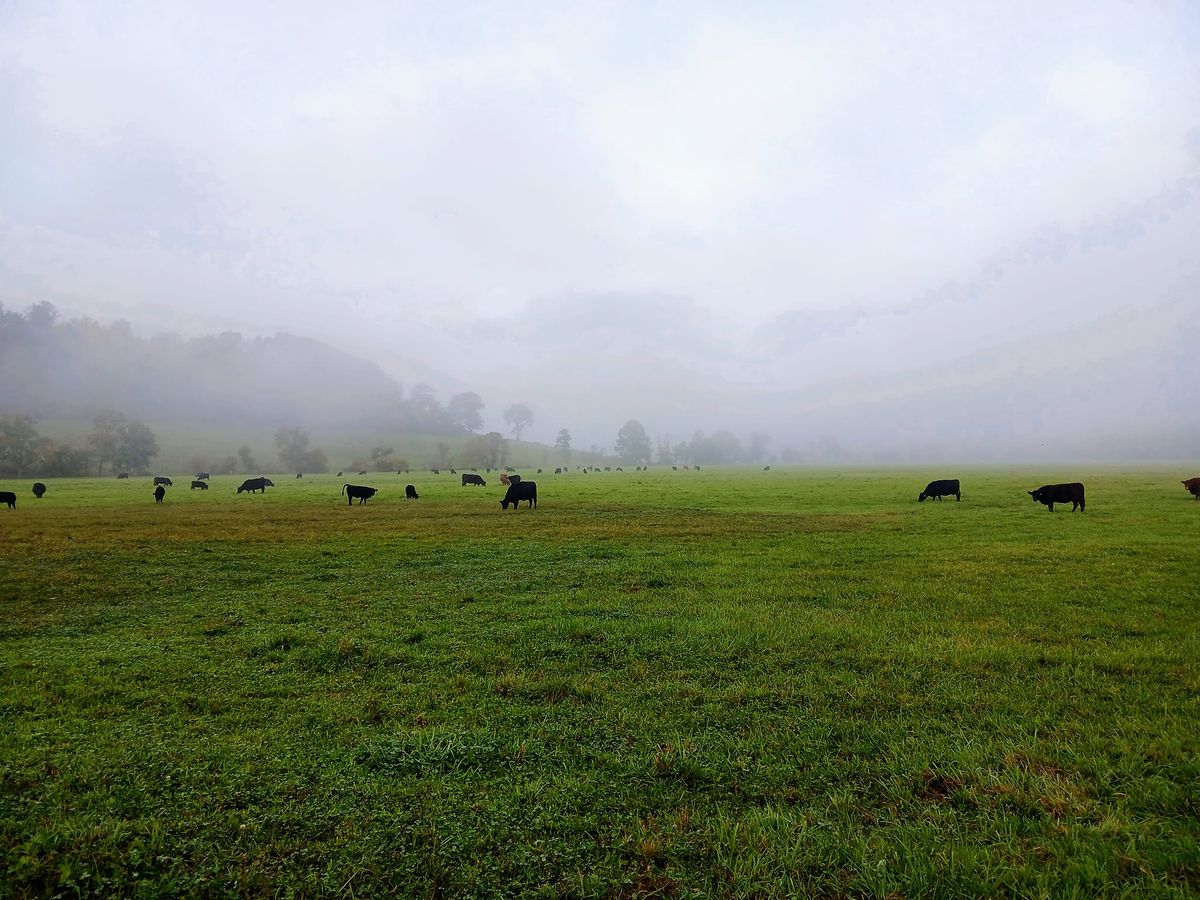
(873, 231)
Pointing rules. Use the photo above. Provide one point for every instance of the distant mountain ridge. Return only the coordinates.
(71, 369)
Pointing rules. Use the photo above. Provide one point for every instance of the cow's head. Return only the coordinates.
(921, 497)
(1035, 496)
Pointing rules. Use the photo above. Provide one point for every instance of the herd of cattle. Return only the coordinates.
(518, 490)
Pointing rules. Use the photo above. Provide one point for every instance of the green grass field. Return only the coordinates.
(724, 683)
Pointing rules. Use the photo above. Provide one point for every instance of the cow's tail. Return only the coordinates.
(344, 486)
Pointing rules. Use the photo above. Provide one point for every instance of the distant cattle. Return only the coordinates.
(159, 493)
(158, 479)
(539, 471)
(357, 490)
(1049, 494)
(436, 471)
(619, 469)
(122, 475)
(299, 474)
(10, 498)
(766, 468)
(39, 489)
(410, 492)
(339, 474)
(1193, 486)
(944, 487)
(608, 468)
(558, 471)
(477, 480)
(518, 491)
(203, 485)
(453, 472)
(697, 468)
(255, 484)
(203, 476)
(363, 472)
(675, 468)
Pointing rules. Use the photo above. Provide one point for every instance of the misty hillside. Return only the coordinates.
(70, 369)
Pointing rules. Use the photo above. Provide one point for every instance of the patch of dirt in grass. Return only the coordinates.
(936, 787)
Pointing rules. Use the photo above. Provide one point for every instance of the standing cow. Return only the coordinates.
(160, 480)
(1049, 494)
(159, 493)
(1193, 486)
(410, 492)
(518, 491)
(476, 480)
(255, 484)
(202, 485)
(350, 491)
(944, 487)
(39, 490)
(8, 498)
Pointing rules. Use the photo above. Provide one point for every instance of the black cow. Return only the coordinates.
(766, 468)
(410, 492)
(1193, 486)
(436, 471)
(39, 489)
(159, 479)
(357, 490)
(453, 472)
(558, 471)
(943, 487)
(299, 474)
(10, 498)
(255, 484)
(518, 491)
(203, 485)
(1050, 494)
(202, 476)
(619, 469)
(363, 472)
(539, 471)
(477, 480)
(339, 474)
(159, 493)
(675, 468)
(121, 475)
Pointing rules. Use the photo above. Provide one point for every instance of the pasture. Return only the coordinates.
(676, 684)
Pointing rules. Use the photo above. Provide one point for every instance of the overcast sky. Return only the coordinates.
(754, 215)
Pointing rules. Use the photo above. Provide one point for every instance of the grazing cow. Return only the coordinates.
(357, 490)
(943, 487)
(608, 468)
(1193, 486)
(39, 489)
(477, 480)
(121, 475)
(675, 468)
(255, 484)
(158, 479)
(436, 471)
(203, 476)
(558, 471)
(339, 474)
(363, 472)
(159, 493)
(518, 491)
(410, 492)
(299, 474)
(619, 469)
(504, 479)
(453, 472)
(203, 485)
(10, 498)
(1050, 494)
(766, 468)
(696, 468)
(539, 471)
